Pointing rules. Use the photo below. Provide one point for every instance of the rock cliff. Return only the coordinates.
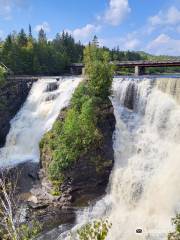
(12, 96)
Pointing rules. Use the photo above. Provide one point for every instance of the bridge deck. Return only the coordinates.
(137, 63)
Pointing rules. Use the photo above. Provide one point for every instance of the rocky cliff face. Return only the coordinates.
(88, 177)
(87, 180)
(12, 96)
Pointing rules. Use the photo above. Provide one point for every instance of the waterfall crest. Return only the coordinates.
(46, 98)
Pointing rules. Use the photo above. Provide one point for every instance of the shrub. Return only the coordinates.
(77, 133)
(176, 234)
(96, 230)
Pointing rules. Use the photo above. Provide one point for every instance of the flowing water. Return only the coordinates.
(46, 98)
(145, 184)
(144, 187)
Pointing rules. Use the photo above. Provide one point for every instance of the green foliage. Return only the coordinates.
(3, 73)
(22, 232)
(176, 234)
(80, 95)
(96, 230)
(27, 232)
(73, 138)
(24, 54)
(99, 71)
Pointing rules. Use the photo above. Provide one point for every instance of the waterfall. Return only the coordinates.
(144, 187)
(145, 183)
(46, 98)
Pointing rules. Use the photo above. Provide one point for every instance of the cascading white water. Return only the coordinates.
(46, 98)
(145, 184)
(144, 188)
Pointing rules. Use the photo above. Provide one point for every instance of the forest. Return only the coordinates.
(24, 54)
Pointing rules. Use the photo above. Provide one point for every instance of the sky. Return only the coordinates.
(144, 25)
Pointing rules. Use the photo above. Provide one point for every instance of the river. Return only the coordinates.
(144, 187)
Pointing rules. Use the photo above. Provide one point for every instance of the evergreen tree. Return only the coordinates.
(42, 36)
(30, 32)
(22, 38)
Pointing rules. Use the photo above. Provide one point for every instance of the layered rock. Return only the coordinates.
(12, 96)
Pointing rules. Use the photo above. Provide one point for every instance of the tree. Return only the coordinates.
(30, 32)
(95, 41)
(22, 38)
(42, 36)
(98, 70)
(10, 227)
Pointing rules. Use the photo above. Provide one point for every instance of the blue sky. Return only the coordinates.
(149, 25)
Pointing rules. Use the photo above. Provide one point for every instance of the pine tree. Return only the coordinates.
(95, 41)
(42, 36)
(30, 32)
(22, 38)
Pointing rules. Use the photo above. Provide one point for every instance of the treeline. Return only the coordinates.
(24, 54)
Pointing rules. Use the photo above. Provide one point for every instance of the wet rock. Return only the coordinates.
(51, 97)
(129, 100)
(33, 199)
(37, 206)
(52, 86)
(12, 96)
(139, 230)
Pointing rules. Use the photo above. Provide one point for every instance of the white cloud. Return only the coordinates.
(85, 32)
(129, 42)
(117, 11)
(45, 26)
(7, 7)
(169, 17)
(164, 44)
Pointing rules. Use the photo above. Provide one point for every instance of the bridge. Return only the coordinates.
(139, 66)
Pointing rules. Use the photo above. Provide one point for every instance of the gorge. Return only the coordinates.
(143, 191)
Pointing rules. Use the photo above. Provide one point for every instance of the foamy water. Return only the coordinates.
(35, 118)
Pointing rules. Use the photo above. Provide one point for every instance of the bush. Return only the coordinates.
(176, 234)
(96, 230)
(77, 133)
